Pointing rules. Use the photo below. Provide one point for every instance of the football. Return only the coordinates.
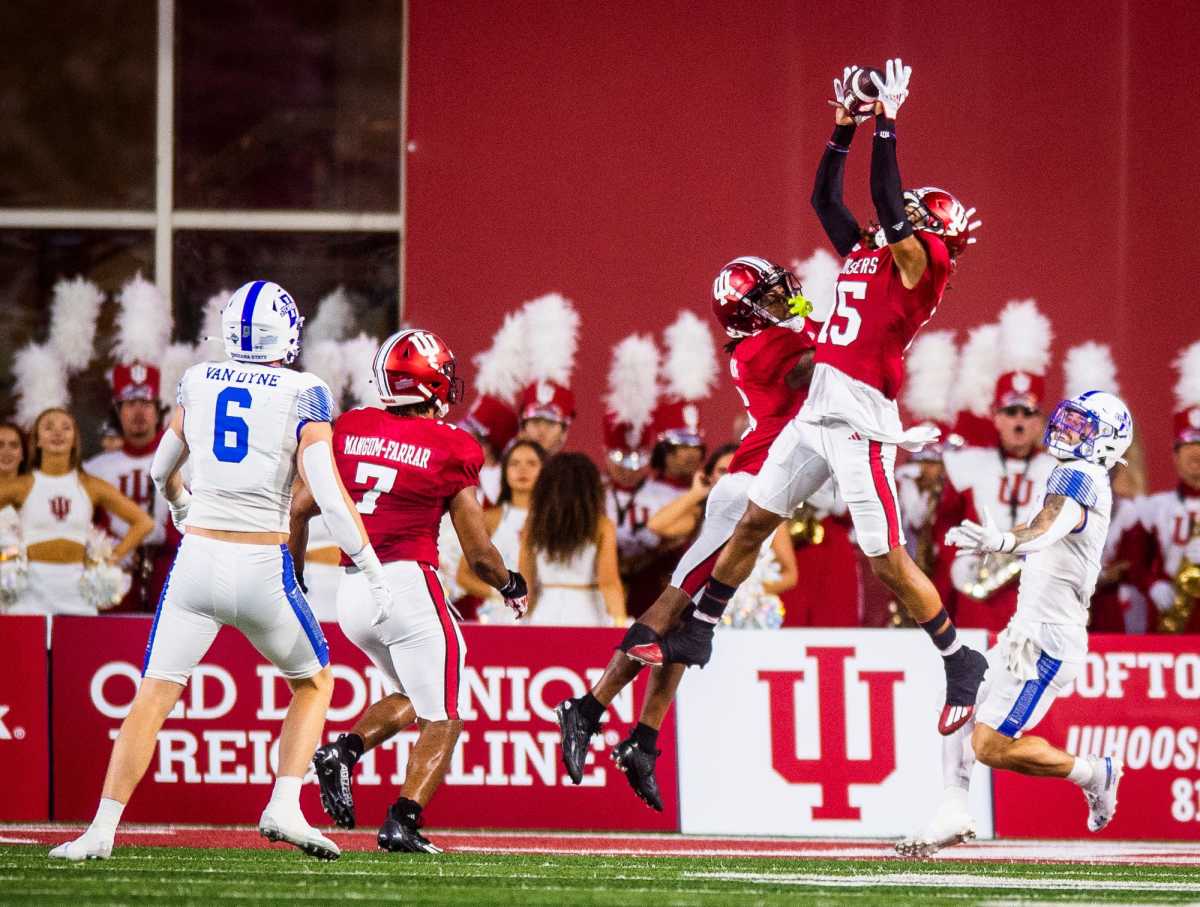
(863, 90)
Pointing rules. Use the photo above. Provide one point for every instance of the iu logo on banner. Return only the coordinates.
(833, 769)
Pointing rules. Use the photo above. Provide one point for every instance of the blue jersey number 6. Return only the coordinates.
(226, 425)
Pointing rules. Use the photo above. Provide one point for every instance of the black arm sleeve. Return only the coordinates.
(886, 191)
(840, 225)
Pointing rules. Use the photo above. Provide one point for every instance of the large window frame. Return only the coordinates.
(165, 219)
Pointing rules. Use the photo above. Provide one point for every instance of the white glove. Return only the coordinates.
(382, 596)
(1162, 593)
(844, 98)
(981, 537)
(893, 89)
(179, 508)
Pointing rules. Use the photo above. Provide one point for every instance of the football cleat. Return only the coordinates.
(638, 766)
(333, 765)
(964, 673)
(577, 734)
(399, 834)
(690, 644)
(1101, 791)
(88, 846)
(275, 825)
(951, 825)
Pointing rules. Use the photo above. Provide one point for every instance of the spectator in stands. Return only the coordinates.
(56, 501)
(569, 548)
(12, 464)
(519, 469)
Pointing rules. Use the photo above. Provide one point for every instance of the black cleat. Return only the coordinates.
(964, 673)
(399, 834)
(334, 765)
(638, 766)
(690, 643)
(577, 734)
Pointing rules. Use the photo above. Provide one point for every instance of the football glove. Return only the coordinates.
(516, 594)
(179, 508)
(845, 99)
(893, 88)
(382, 596)
(984, 536)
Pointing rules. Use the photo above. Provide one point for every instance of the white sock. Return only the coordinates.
(286, 792)
(1081, 772)
(108, 816)
(955, 795)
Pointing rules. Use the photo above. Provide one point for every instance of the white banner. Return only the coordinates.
(817, 732)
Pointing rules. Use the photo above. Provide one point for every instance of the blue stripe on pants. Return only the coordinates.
(157, 613)
(1030, 695)
(300, 608)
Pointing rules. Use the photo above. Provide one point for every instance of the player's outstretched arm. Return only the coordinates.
(1060, 515)
(840, 226)
(478, 551)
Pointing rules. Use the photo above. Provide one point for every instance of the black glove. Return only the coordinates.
(516, 594)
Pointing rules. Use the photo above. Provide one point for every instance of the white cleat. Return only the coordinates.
(87, 846)
(294, 830)
(1101, 791)
(951, 825)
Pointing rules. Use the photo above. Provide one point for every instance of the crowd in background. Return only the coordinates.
(598, 545)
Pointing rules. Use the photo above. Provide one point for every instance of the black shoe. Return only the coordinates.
(577, 734)
(399, 834)
(690, 643)
(334, 765)
(638, 766)
(964, 673)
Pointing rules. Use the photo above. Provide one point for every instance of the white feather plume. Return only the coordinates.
(931, 365)
(1089, 367)
(1025, 337)
(818, 274)
(1187, 389)
(500, 369)
(551, 327)
(327, 360)
(176, 359)
(144, 322)
(690, 364)
(979, 367)
(211, 345)
(358, 353)
(334, 319)
(41, 381)
(633, 381)
(73, 315)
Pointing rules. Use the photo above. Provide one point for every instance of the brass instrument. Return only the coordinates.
(980, 575)
(805, 527)
(1187, 590)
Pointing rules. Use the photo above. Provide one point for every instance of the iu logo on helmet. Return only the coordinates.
(833, 770)
(60, 507)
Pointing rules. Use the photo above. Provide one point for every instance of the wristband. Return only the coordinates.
(885, 128)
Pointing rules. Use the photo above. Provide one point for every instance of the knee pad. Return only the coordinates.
(638, 635)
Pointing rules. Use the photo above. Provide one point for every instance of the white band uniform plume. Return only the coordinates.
(334, 319)
(211, 346)
(359, 353)
(499, 370)
(690, 365)
(175, 360)
(1187, 388)
(979, 367)
(323, 351)
(1089, 367)
(73, 315)
(1025, 337)
(144, 322)
(551, 328)
(818, 275)
(931, 364)
(41, 382)
(633, 382)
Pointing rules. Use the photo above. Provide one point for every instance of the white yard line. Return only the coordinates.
(943, 880)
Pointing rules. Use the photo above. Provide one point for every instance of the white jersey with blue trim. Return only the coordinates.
(242, 424)
(1057, 582)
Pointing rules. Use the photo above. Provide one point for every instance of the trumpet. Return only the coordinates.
(805, 527)
(1186, 583)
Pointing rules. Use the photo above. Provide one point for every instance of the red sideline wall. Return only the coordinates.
(621, 152)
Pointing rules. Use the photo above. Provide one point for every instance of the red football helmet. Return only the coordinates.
(739, 289)
(414, 366)
(942, 214)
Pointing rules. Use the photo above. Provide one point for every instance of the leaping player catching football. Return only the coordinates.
(849, 427)
(1044, 645)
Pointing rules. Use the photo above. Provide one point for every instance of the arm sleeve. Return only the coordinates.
(170, 450)
(315, 404)
(840, 225)
(322, 481)
(1068, 518)
(886, 191)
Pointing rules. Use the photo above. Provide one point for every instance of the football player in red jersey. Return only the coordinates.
(849, 427)
(403, 468)
(762, 307)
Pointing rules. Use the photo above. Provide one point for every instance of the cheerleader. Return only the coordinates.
(55, 502)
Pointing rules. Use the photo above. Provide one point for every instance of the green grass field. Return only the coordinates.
(202, 875)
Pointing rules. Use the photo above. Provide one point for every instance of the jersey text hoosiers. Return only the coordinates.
(409, 454)
(221, 373)
(861, 265)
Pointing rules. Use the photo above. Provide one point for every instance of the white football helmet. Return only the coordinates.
(1094, 426)
(261, 323)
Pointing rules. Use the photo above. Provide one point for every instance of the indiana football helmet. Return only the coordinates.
(415, 366)
(261, 323)
(940, 213)
(1094, 426)
(740, 288)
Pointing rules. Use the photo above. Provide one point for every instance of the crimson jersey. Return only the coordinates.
(759, 366)
(401, 473)
(876, 317)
